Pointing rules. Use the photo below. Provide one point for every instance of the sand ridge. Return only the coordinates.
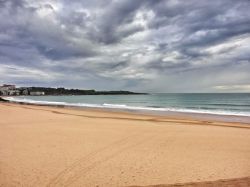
(239, 182)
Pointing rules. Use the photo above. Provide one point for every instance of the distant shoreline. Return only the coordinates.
(7, 90)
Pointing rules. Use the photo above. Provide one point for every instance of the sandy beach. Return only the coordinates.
(49, 146)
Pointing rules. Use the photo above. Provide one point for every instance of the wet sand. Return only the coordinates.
(48, 146)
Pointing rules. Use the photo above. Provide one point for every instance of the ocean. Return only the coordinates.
(237, 104)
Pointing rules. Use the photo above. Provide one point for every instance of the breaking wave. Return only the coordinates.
(126, 107)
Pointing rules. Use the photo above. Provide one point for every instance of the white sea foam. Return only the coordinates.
(126, 107)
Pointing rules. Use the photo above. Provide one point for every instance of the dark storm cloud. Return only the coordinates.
(42, 32)
(13, 3)
(117, 14)
(203, 22)
(138, 44)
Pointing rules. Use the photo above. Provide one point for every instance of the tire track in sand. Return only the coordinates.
(85, 164)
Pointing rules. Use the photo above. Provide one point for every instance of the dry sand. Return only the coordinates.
(48, 146)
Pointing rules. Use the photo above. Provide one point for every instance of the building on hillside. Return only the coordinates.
(14, 92)
(25, 92)
(3, 92)
(8, 89)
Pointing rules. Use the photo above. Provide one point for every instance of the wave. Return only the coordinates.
(231, 105)
(138, 108)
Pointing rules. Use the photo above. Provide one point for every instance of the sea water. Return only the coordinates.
(237, 104)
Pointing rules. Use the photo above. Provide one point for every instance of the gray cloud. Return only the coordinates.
(143, 45)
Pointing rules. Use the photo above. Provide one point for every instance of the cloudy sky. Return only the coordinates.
(138, 45)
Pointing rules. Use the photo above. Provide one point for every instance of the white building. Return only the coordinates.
(8, 89)
(37, 93)
(13, 92)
